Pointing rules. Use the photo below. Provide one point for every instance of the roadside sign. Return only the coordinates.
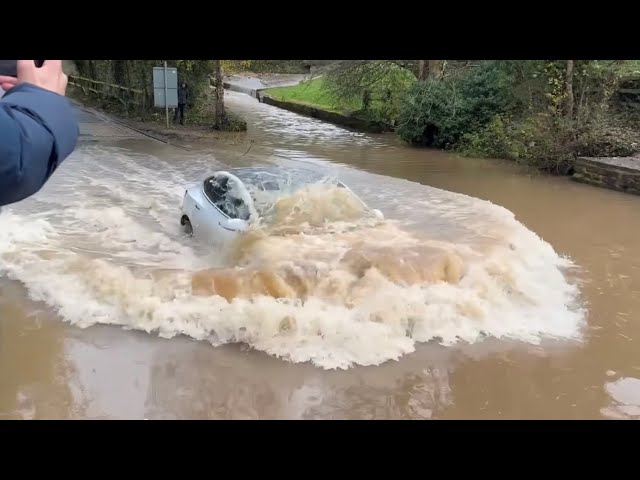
(165, 95)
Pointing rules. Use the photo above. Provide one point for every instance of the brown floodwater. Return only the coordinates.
(487, 291)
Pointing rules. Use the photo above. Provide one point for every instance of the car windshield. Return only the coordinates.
(267, 184)
(223, 192)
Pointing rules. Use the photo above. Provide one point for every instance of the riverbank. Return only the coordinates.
(291, 92)
(312, 99)
(153, 124)
(175, 134)
(298, 94)
(347, 121)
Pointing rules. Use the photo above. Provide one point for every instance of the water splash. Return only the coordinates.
(321, 280)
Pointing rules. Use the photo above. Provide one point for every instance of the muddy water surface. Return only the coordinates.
(485, 293)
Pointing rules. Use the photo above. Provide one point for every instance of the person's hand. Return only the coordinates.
(7, 82)
(50, 76)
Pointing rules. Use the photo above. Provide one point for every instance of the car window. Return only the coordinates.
(215, 190)
(221, 193)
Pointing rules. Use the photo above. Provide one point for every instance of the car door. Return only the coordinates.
(204, 217)
(206, 212)
(194, 206)
(232, 222)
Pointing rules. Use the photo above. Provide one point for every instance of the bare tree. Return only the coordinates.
(569, 90)
(220, 116)
(423, 70)
(430, 69)
(119, 72)
(436, 69)
(352, 78)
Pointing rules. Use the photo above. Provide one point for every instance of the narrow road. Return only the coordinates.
(98, 127)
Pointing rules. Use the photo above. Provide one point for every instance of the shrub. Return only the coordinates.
(538, 141)
(604, 139)
(518, 110)
(550, 143)
(440, 113)
(497, 140)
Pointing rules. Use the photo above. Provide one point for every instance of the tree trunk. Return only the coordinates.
(435, 69)
(430, 69)
(423, 70)
(81, 65)
(127, 74)
(569, 91)
(119, 72)
(221, 116)
(147, 87)
(92, 69)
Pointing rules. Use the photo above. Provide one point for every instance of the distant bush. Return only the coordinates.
(608, 139)
(277, 66)
(549, 143)
(498, 139)
(440, 112)
(536, 141)
(233, 123)
(517, 110)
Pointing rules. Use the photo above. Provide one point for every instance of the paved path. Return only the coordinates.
(94, 125)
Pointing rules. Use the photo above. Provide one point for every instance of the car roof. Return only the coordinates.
(277, 178)
(275, 182)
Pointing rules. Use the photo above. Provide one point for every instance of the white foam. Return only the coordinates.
(121, 259)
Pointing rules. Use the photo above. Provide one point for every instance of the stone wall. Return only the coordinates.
(622, 174)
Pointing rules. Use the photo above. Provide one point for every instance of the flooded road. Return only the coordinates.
(453, 307)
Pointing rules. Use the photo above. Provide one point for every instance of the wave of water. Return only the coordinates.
(102, 244)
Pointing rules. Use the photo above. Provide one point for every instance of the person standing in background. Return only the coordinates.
(183, 100)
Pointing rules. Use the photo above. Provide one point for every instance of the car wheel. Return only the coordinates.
(186, 225)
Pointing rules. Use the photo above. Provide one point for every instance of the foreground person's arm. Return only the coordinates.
(38, 130)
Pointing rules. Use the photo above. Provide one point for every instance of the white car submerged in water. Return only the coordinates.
(227, 203)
